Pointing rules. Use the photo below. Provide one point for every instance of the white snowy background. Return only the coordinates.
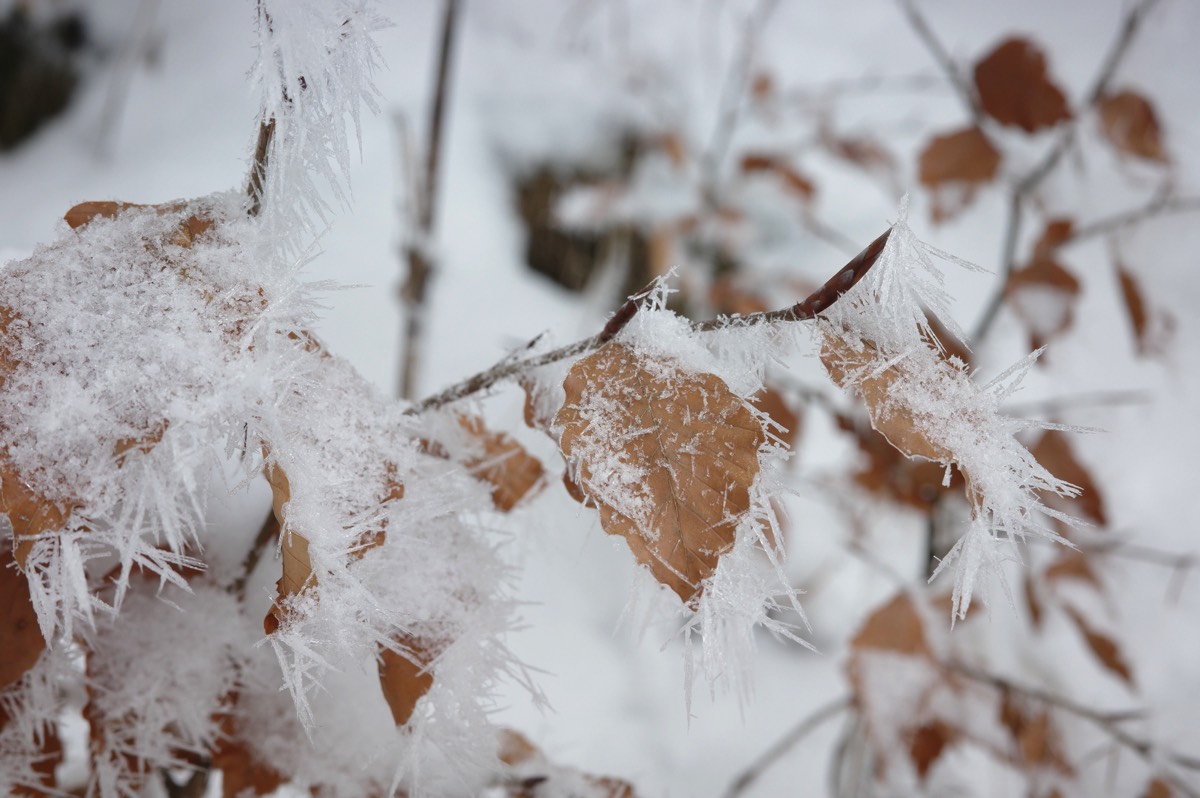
(535, 78)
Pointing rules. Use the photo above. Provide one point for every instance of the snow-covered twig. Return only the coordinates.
(805, 310)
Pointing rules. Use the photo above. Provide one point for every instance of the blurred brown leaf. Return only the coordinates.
(1103, 646)
(793, 180)
(21, 641)
(954, 165)
(1130, 124)
(512, 471)
(927, 744)
(1014, 88)
(1055, 453)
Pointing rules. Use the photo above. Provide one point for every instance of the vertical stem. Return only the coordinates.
(258, 170)
(420, 263)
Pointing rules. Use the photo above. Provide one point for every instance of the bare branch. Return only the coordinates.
(267, 533)
(805, 310)
(1162, 205)
(786, 743)
(1108, 722)
(921, 27)
(420, 262)
(258, 169)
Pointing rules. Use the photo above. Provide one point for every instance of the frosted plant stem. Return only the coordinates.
(786, 743)
(420, 262)
(806, 310)
(258, 169)
(1108, 722)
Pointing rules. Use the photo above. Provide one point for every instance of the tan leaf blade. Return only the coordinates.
(512, 471)
(1130, 124)
(1014, 88)
(1054, 451)
(21, 641)
(1103, 646)
(403, 680)
(954, 165)
(668, 457)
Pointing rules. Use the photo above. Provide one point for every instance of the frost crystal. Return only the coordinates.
(878, 341)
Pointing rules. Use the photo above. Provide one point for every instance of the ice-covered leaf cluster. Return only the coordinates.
(878, 341)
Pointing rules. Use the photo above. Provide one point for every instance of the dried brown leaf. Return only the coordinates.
(772, 403)
(964, 156)
(954, 165)
(1032, 602)
(793, 180)
(1157, 788)
(1130, 124)
(927, 744)
(1103, 646)
(404, 680)
(896, 627)
(512, 471)
(21, 641)
(1055, 453)
(1072, 564)
(1036, 738)
(1014, 88)
(189, 229)
(695, 442)
(896, 423)
(241, 768)
(1043, 295)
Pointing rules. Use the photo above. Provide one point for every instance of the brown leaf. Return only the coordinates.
(1072, 564)
(896, 423)
(896, 627)
(1058, 231)
(1157, 788)
(964, 156)
(1103, 646)
(1036, 738)
(1150, 338)
(189, 229)
(1014, 88)
(927, 744)
(403, 680)
(728, 296)
(771, 402)
(515, 748)
(1043, 295)
(1054, 452)
(21, 641)
(1032, 602)
(795, 182)
(242, 769)
(954, 165)
(693, 442)
(511, 470)
(1130, 124)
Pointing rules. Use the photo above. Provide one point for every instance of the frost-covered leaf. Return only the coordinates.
(771, 402)
(242, 768)
(1130, 124)
(1043, 295)
(877, 341)
(21, 641)
(668, 456)
(531, 774)
(1015, 89)
(953, 166)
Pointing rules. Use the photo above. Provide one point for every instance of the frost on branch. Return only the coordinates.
(878, 341)
(314, 69)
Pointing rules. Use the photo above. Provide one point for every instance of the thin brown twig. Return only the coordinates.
(730, 103)
(785, 743)
(921, 27)
(420, 262)
(258, 169)
(805, 310)
(267, 533)
(1160, 206)
(1108, 722)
